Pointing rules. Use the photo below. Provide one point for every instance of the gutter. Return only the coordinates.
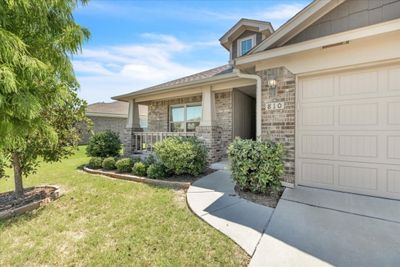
(149, 91)
(258, 97)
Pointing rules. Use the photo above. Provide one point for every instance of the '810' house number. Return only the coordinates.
(274, 105)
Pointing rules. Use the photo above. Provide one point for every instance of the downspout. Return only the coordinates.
(258, 97)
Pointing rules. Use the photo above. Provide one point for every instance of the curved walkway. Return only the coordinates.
(214, 200)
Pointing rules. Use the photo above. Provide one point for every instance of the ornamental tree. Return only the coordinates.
(39, 107)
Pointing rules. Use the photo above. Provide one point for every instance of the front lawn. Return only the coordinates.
(100, 221)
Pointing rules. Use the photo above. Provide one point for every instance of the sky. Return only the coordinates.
(137, 44)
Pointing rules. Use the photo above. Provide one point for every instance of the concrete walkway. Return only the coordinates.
(316, 227)
(309, 227)
(214, 200)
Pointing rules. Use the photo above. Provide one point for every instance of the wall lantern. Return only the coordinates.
(272, 86)
(272, 83)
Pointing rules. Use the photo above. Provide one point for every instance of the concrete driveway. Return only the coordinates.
(313, 227)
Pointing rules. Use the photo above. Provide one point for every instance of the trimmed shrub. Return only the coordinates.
(104, 144)
(182, 155)
(150, 159)
(124, 165)
(136, 159)
(256, 165)
(157, 170)
(109, 163)
(95, 163)
(139, 169)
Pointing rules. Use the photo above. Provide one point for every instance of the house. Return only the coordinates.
(326, 84)
(110, 116)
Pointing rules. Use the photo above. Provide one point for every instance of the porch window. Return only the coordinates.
(185, 118)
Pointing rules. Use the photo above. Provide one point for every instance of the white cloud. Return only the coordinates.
(280, 12)
(276, 14)
(108, 71)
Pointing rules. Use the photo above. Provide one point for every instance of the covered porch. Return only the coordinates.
(215, 112)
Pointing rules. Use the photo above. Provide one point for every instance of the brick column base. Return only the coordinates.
(129, 144)
(211, 136)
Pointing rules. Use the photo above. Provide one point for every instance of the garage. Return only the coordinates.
(348, 131)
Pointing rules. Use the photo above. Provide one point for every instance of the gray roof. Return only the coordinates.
(215, 72)
(116, 107)
(197, 76)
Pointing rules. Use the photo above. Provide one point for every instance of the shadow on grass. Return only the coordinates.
(80, 167)
(25, 217)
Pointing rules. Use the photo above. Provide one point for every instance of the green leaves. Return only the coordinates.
(39, 108)
(256, 165)
(104, 144)
(182, 155)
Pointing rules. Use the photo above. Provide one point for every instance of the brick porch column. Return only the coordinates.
(208, 131)
(132, 126)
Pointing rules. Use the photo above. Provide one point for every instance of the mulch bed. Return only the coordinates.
(188, 178)
(269, 199)
(33, 198)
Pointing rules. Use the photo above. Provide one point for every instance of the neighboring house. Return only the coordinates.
(326, 84)
(110, 116)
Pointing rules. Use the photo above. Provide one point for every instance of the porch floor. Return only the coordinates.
(223, 164)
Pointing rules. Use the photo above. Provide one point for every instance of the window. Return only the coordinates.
(246, 44)
(184, 118)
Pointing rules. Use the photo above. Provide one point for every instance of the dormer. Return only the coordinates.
(245, 35)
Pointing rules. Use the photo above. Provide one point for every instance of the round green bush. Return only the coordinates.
(139, 169)
(104, 144)
(256, 165)
(150, 159)
(124, 165)
(109, 163)
(182, 155)
(95, 163)
(157, 171)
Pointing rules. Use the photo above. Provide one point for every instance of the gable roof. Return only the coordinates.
(218, 72)
(116, 108)
(296, 24)
(259, 25)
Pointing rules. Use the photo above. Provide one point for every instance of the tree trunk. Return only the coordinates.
(16, 163)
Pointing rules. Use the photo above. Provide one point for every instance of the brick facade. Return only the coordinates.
(128, 141)
(216, 138)
(279, 125)
(211, 136)
(101, 124)
(224, 116)
(158, 112)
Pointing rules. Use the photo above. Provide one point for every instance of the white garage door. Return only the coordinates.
(348, 131)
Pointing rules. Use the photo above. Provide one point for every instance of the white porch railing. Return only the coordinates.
(144, 141)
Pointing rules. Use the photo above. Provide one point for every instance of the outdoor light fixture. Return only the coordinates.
(272, 83)
(272, 86)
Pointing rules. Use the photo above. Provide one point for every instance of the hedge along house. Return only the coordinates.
(326, 84)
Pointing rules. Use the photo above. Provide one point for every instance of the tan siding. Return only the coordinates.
(244, 115)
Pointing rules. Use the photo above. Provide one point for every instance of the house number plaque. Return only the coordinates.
(274, 105)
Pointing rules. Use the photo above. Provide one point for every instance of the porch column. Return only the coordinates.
(209, 131)
(133, 115)
(208, 107)
(132, 126)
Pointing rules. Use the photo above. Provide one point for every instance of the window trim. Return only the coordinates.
(185, 121)
(239, 43)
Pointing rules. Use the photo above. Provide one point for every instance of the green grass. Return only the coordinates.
(100, 221)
